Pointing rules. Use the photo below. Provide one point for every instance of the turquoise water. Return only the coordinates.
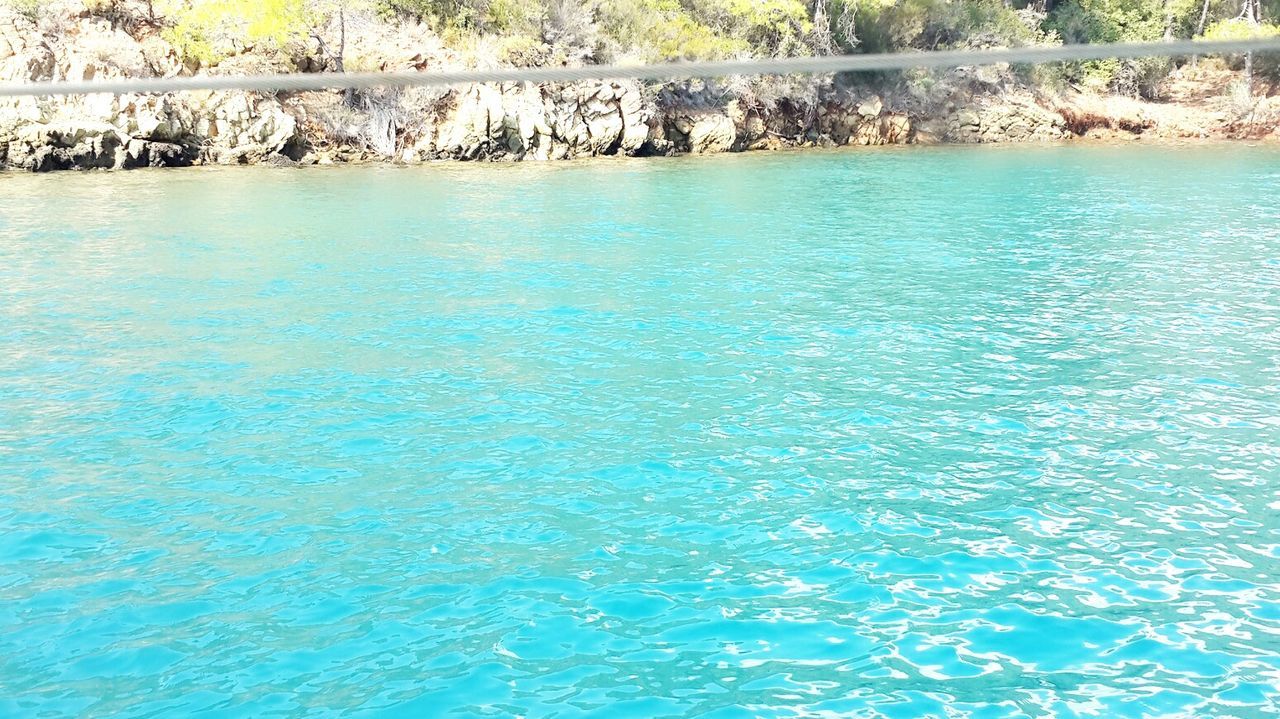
(932, 433)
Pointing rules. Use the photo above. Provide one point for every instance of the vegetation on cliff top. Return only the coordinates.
(544, 32)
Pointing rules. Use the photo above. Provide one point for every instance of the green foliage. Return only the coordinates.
(29, 9)
(1085, 21)
(570, 27)
(1108, 21)
(664, 30)
(476, 16)
(1238, 28)
(209, 31)
(512, 16)
(770, 27)
(888, 25)
(522, 51)
(555, 31)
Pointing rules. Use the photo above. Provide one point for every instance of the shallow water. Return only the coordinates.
(946, 432)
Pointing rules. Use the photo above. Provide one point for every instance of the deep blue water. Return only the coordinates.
(930, 433)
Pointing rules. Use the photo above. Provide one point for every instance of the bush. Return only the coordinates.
(570, 27)
(1084, 21)
(1237, 28)
(471, 16)
(209, 31)
(30, 9)
(889, 25)
(662, 30)
(523, 51)
(1265, 65)
(770, 27)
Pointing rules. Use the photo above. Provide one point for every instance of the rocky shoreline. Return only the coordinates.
(521, 121)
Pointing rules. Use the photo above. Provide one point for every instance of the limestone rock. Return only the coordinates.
(991, 74)
(603, 122)
(867, 133)
(236, 126)
(896, 129)
(23, 55)
(1009, 121)
(142, 153)
(635, 121)
(712, 132)
(65, 146)
(929, 132)
(526, 121)
(475, 121)
(157, 118)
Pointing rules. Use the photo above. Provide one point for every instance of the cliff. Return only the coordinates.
(531, 122)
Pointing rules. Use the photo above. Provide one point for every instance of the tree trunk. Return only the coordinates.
(1249, 11)
(1204, 16)
(339, 62)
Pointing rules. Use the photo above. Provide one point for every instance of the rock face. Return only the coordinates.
(65, 146)
(525, 121)
(121, 131)
(865, 123)
(232, 127)
(712, 132)
(88, 145)
(510, 121)
(1005, 122)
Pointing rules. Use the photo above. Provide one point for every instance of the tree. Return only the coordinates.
(1248, 24)
(322, 16)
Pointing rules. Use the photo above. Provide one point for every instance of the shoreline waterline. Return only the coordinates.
(1154, 141)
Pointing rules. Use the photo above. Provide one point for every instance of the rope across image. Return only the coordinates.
(784, 66)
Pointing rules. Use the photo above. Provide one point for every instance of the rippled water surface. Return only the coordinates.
(939, 433)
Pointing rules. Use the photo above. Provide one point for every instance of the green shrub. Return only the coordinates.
(474, 16)
(889, 25)
(1265, 64)
(209, 31)
(523, 51)
(30, 9)
(1238, 28)
(1085, 21)
(570, 28)
(664, 30)
(770, 27)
